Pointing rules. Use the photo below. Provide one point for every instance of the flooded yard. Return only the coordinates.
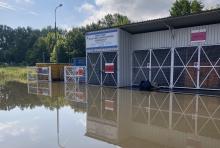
(58, 115)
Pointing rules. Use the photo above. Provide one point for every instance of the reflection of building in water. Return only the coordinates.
(102, 113)
(155, 119)
(76, 96)
(189, 120)
(43, 88)
(40, 88)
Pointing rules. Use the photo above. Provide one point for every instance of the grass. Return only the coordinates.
(13, 74)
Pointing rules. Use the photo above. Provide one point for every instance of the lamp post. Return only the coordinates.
(60, 5)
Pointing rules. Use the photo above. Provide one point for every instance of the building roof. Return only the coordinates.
(196, 19)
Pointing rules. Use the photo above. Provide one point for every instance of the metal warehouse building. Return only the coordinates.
(174, 52)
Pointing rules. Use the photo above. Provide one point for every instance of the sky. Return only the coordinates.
(40, 13)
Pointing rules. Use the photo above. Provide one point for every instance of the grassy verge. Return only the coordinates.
(13, 74)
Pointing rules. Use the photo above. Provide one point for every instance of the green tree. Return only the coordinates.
(40, 52)
(185, 7)
(196, 6)
(180, 7)
(75, 43)
(28, 46)
(55, 48)
(113, 20)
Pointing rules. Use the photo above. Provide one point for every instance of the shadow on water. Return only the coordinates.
(107, 117)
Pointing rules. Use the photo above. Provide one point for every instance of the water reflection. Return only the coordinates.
(76, 95)
(141, 119)
(91, 116)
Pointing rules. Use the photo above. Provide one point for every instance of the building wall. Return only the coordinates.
(124, 60)
(163, 39)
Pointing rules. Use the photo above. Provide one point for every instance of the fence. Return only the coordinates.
(194, 67)
(75, 74)
(39, 74)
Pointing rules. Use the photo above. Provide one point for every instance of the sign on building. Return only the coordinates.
(102, 39)
(198, 35)
(109, 67)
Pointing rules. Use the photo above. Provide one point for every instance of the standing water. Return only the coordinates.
(57, 115)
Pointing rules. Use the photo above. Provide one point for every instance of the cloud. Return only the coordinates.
(88, 8)
(15, 129)
(25, 1)
(136, 10)
(15, 7)
(4, 5)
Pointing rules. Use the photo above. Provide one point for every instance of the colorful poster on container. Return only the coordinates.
(79, 72)
(198, 35)
(102, 40)
(109, 67)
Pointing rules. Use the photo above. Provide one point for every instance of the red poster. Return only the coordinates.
(109, 67)
(80, 72)
(198, 35)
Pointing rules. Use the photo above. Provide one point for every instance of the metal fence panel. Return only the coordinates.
(210, 67)
(140, 68)
(160, 66)
(94, 68)
(75, 74)
(185, 67)
(38, 74)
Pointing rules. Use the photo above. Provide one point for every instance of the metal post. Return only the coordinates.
(170, 110)
(198, 67)
(172, 68)
(56, 34)
(50, 77)
(100, 55)
(118, 70)
(86, 69)
(65, 74)
(57, 56)
(150, 76)
(132, 68)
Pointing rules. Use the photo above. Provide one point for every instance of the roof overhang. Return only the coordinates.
(197, 19)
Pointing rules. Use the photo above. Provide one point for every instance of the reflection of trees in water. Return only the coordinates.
(18, 97)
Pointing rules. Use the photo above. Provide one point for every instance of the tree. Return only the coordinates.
(75, 43)
(185, 7)
(28, 46)
(113, 20)
(196, 6)
(39, 53)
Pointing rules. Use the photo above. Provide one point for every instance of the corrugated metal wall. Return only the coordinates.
(163, 39)
(125, 56)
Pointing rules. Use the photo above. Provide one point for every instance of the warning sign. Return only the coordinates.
(109, 67)
(198, 35)
(79, 72)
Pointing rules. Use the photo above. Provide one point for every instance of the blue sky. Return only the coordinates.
(40, 13)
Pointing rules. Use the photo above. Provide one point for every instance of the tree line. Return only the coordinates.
(27, 46)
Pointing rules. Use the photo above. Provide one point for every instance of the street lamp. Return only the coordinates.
(60, 5)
